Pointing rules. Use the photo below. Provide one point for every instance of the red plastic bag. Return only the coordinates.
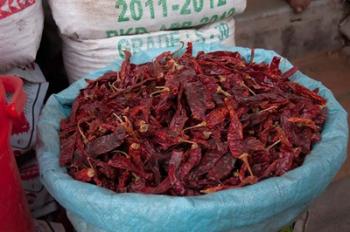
(14, 212)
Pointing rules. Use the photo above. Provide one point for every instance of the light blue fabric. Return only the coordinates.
(265, 206)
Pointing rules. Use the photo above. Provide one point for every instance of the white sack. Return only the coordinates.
(92, 19)
(83, 56)
(21, 26)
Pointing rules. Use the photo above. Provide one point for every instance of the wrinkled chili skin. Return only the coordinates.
(188, 125)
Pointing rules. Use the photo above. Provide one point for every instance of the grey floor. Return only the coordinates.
(330, 212)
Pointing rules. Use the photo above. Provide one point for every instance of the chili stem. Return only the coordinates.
(135, 146)
(118, 118)
(82, 133)
(123, 152)
(89, 162)
(268, 109)
(222, 78)
(244, 158)
(182, 140)
(162, 89)
(212, 189)
(220, 90)
(202, 124)
(274, 144)
(112, 87)
(143, 126)
(249, 89)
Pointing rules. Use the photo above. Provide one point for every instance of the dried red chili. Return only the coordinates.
(189, 125)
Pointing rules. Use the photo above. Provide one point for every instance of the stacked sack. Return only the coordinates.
(21, 27)
(95, 33)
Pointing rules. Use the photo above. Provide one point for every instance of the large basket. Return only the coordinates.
(265, 206)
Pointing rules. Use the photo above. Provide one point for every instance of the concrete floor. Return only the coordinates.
(333, 70)
(272, 24)
(329, 212)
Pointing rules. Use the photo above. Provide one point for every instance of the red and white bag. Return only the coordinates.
(35, 87)
(21, 26)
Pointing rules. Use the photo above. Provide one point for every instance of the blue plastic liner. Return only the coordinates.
(265, 206)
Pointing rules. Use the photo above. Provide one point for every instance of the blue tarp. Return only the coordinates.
(265, 206)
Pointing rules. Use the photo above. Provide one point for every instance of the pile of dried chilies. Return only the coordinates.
(185, 125)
